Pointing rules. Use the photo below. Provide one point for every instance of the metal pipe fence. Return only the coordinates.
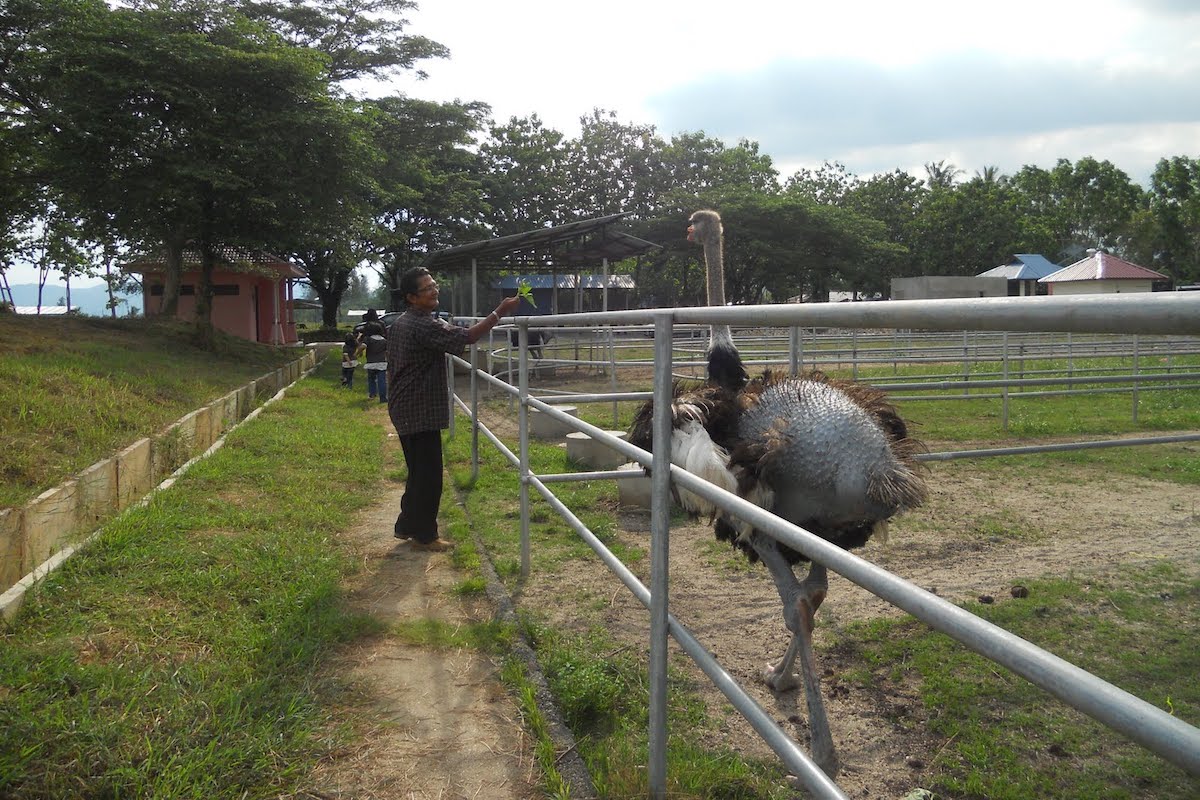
(1171, 738)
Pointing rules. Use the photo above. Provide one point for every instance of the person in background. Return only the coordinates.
(419, 400)
(350, 350)
(373, 338)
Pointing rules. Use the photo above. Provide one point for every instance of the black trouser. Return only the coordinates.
(423, 490)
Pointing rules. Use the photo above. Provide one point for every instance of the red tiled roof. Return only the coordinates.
(1102, 267)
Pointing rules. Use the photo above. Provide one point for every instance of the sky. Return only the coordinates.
(876, 85)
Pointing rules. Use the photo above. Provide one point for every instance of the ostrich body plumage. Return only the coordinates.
(831, 456)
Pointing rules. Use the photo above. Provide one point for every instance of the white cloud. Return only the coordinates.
(872, 82)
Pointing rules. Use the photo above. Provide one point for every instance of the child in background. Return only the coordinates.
(349, 360)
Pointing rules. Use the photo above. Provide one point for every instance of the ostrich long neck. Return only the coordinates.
(714, 261)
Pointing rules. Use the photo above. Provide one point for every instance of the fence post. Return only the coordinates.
(474, 415)
(450, 390)
(660, 532)
(966, 364)
(854, 354)
(612, 363)
(1135, 378)
(523, 426)
(1004, 394)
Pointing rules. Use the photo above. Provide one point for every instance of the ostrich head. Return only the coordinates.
(705, 226)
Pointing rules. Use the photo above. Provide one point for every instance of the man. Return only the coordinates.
(418, 398)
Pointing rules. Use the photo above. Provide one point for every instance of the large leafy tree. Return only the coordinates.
(25, 28)
(612, 167)
(329, 218)
(700, 171)
(1072, 207)
(830, 183)
(789, 245)
(895, 199)
(968, 229)
(360, 38)
(693, 171)
(187, 123)
(429, 182)
(1173, 237)
(524, 176)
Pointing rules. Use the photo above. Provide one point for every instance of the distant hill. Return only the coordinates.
(90, 300)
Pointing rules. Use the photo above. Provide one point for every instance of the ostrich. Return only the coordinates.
(831, 456)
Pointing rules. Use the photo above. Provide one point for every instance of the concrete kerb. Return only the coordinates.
(12, 598)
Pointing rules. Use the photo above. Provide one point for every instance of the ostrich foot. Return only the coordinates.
(780, 677)
(826, 759)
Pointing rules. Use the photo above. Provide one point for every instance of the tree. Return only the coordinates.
(1174, 209)
(1072, 207)
(940, 175)
(524, 178)
(360, 38)
(189, 123)
(830, 183)
(611, 168)
(894, 199)
(429, 182)
(700, 171)
(25, 26)
(808, 248)
(967, 229)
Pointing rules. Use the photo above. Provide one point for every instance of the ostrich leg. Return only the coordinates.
(801, 599)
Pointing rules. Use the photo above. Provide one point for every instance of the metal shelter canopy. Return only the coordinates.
(573, 244)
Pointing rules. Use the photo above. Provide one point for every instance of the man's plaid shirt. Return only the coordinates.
(418, 399)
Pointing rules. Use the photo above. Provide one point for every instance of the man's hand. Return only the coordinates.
(508, 305)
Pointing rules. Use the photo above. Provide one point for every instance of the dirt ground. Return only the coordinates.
(442, 726)
(435, 724)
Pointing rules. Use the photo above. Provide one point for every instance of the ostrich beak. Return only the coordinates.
(691, 236)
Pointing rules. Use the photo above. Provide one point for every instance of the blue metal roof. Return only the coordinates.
(563, 281)
(1023, 267)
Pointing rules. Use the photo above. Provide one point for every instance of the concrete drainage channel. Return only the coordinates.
(38, 537)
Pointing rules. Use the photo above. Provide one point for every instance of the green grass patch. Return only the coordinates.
(602, 691)
(74, 390)
(1004, 738)
(178, 656)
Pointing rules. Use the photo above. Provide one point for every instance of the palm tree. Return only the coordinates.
(941, 175)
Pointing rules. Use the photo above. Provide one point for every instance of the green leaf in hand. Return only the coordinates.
(524, 290)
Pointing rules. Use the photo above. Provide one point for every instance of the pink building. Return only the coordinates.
(252, 292)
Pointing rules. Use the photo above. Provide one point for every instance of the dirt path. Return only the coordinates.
(434, 723)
